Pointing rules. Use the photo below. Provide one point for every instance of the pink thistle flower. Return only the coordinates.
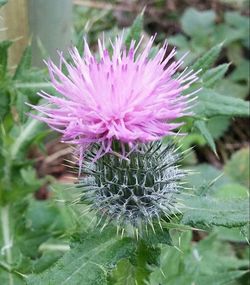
(127, 97)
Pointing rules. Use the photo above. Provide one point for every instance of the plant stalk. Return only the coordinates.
(7, 242)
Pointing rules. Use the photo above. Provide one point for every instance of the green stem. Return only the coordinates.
(7, 243)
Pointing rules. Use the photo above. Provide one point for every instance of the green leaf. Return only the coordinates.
(25, 136)
(232, 89)
(29, 176)
(179, 40)
(232, 234)
(4, 46)
(207, 60)
(212, 76)
(211, 103)
(87, 263)
(238, 166)
(241, 72)
(235, 19)
(155, 235)
(232, 191)
(4, 103)
(207, 211)
(223, 278)
(146, 258)
(196, 262)
(206, 179)
(134, 32)
(7, 278)
(226, 34)
(24, 64)
(136, 271)
(201, 126)
(217, 126)
(171, 261)
(123, 274)
(194, 22)
(49, 217)
(21, 107)
(46, 261)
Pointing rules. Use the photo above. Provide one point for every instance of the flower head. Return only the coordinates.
(127, 96)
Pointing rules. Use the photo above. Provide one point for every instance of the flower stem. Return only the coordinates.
(7, 243)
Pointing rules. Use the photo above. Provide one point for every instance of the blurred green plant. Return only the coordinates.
(202, 31)
(208, 261)
(23, 227)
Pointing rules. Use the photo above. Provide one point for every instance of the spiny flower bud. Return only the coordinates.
(139, 190)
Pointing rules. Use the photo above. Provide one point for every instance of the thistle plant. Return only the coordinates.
(116, 109)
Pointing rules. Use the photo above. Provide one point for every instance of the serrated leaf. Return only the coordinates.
(88, 262)
(24, 64)
(207, 211)
(145, 259)
(212, 76)
(4, 46)
(201, 126)
(21, 107)
(211, 103)
(134, 32)
(207, 60)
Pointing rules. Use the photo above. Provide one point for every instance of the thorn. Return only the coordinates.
(137, 234)
(163, 273)
(178, 249)
(117, 230)
(152, 226)
(103, 227)
(122, 233)
(159, 222)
